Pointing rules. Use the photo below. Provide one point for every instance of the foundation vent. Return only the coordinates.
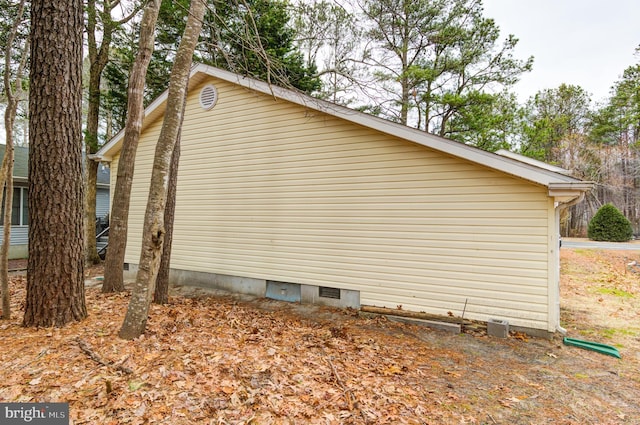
(326, 292)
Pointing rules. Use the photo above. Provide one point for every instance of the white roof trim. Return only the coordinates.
(529, 170)
(534, 162)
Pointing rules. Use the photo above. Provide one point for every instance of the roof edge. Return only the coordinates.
(530, 171)
(531, 161)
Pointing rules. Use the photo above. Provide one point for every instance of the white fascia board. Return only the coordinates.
(531, 161)
(106, 152)
(578, 185)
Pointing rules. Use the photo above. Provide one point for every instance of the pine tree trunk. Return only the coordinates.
(153, 231)
(118, 219)
(55, 268)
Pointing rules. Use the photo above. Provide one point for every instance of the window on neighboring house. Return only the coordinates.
(19, 208)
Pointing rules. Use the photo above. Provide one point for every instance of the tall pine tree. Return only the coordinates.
(55, 269)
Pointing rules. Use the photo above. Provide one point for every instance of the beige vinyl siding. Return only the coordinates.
(271, 190)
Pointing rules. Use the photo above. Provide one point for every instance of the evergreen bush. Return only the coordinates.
(609, 224)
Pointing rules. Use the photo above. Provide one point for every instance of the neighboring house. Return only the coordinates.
(20, 211)
(290, 197)
(102, 191)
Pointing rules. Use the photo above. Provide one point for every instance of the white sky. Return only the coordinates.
(581, 42)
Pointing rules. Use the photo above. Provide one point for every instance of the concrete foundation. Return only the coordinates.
(537, 333)
(283, 291)
(310, 294)
(18, 252)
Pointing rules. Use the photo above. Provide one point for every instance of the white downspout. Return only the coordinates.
(560, 206)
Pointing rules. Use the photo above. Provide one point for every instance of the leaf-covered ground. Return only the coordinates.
(226, 360)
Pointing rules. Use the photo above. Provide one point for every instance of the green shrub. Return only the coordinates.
(609, 225)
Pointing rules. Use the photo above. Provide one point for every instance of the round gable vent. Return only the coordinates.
(208, 97)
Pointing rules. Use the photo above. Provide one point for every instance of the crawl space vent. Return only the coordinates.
(326, 292)
(208, 97)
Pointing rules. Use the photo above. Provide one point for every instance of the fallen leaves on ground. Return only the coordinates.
(221, 360)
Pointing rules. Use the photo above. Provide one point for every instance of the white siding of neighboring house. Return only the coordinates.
(102, 202)
(19, 241)
(19, 235)
(270, 190)
(18, 247)
(112, 178)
